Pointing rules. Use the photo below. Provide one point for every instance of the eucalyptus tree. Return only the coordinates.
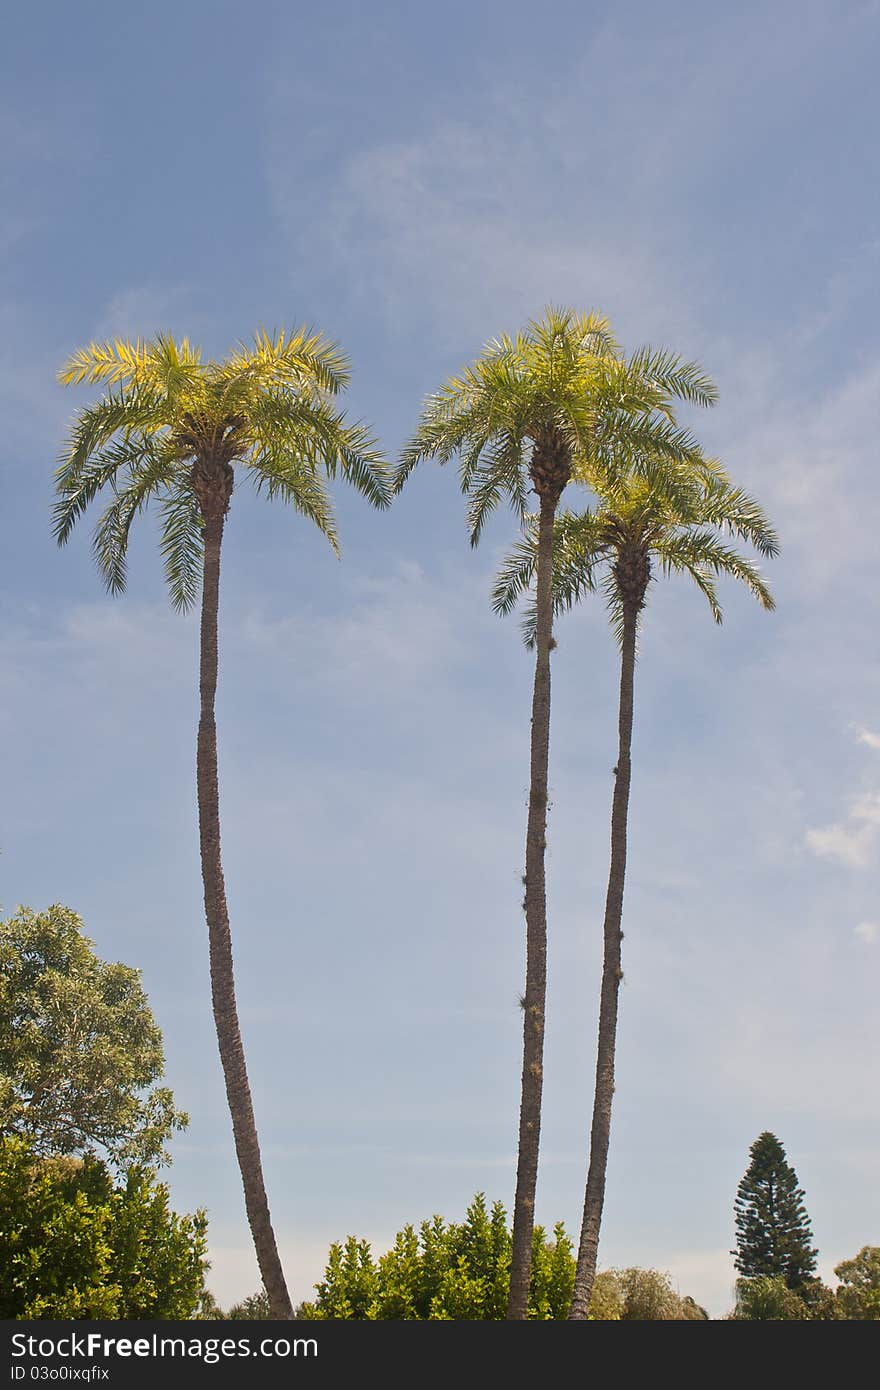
(665, 518)
(533, 413)
(176, 430)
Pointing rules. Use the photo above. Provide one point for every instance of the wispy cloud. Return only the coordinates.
(868, 932)
(850, 842)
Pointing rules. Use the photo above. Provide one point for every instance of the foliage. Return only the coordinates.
(673, 517)
(820, 1301)
(858, 1294)
(640, 1295)
(79, 1049)
(773, 1229)
(455, 1271)
(266, 407)
(76, 1244)
(208, 1309)
(254, 1308)
(563, 376)
(767, 1298)
(461, 1271)
(856, 1298)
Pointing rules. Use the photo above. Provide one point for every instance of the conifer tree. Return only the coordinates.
(773, 1233)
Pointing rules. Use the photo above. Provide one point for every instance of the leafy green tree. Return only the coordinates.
(654, 514)
(176, 430)
(640, 1295)
(820, 1301)
(535, 412)
(455, 1271)
(461, 1272)
(74, 1244)
(773, 1233)
(858, 1294)
(767, 1298)
(79, 1049)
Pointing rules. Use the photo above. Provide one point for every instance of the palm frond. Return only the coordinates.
(614, 606)
(500, 474)
(516, 574)
(312, 431)
(362, 464)
(734, 511)
(78, 486)
(580, 542)
(302, 359)
(113, 361)
(181, 545)
(110, 539)
(296, 481)
(686, 381)
(701, 550)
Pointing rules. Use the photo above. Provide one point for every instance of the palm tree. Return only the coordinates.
(540, 409)
(173, 429)
(674, 518)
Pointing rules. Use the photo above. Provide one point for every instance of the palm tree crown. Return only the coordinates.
(172, 428)
(668, 517)
(552, 402)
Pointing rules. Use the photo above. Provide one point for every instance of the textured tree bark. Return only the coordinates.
(536, 928)
(238, 1094)
(611, 974)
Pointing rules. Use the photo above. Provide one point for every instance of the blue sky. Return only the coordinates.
(416, 181)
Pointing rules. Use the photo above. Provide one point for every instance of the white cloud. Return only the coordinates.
(851, 842)
(868, 737)
(869, 932)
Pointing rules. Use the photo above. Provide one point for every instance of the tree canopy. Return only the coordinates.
(858, 1294)
(460, 1270)
(672, 516)
(80, 1052)
(76, 1244)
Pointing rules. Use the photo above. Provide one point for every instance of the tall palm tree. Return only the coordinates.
(536, 411)
(674, 519)
(173, 429)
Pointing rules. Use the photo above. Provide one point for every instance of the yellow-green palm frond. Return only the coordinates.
(161, 365)
(117, 359)
(302, 359)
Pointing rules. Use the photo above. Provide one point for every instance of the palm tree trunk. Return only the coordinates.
(535, 904)
(611, 974)
(238, 1094)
